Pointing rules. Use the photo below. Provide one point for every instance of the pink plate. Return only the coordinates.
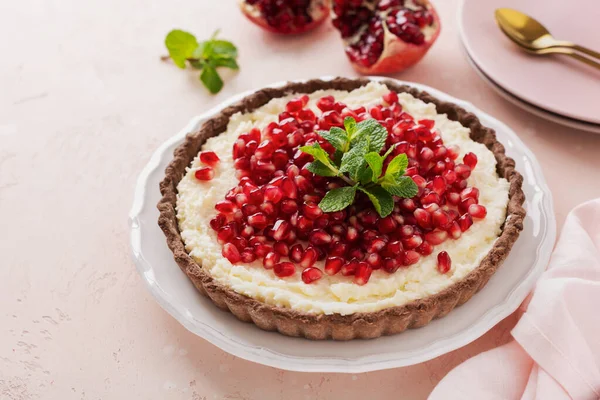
(556, 83)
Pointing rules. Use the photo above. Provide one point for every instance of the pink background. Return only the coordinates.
(84, 102)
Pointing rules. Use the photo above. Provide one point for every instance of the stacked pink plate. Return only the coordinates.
(554, 87)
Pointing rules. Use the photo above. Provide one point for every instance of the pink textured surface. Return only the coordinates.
(84, 102)
(557, 83)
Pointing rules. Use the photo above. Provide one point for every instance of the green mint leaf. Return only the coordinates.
(181, 46)
(402, 186)
(365, 175)
(375, 161)
(382, 200)
(354, 159)
(337, 157)
(318, 168)
(376, 133)
(336, 136)
(338, 199)
(350, 125)
(197, 64)
(224, 62)
(397, 165)
(319, 154)
(224, 48)
(211, 79)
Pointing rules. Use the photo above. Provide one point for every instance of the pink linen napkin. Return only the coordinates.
(556, 351)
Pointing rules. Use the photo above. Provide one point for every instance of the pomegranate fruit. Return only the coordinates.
(385, 36)
(285, 16)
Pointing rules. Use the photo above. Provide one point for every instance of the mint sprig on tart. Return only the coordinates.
(357, 162)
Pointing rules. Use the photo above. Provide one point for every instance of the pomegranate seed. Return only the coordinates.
(454, 230)
(357, 253)
(462, 171)
(465, 222)
(453, 151)
(209, 158)
(439, 185)
(231, 253)
(311, 274)
(325, 103)
(288, 206)
(296, 253)
(440, 219)
(281, 248)
(387, 224)
(363, 273)
(390, 97)
(425, 249)
(412, 242)
(303, 184)
(407, 231)
(431, 197)
(376, 245)
(261, 249)
(273, 194)
(349, 268)
(444, 262)
(428, 123)
(309, 257)
(470, 159)
(248, 255)
(453, 198)
(204, 174)
(294, 105)
(391, 265)
(430, 208)
(268, 208)
(464, 205)
(280, 158)
(333, 265)
(408, 205)
(218, 221)
(319, 237)
(239, 149)
(239, 242)
(280, 229)
(450, 177)
(265, 150)
(423, 218)
(374, 260)
(419, 181)
(338, 249)
(225, 233)
(470, 192)
(477, 211)
(426, 154)
(258, 220)
(436, 237)
(289, 188)
(250, 148)
(247, 231)
(249, 209)
(411, 257)
(311, 210)
(394, 247)
(284, 269)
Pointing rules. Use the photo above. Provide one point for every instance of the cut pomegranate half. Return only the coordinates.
(286, 17)
(385, 36)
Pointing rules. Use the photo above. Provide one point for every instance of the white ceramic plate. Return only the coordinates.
(559, 119)
(502, 295)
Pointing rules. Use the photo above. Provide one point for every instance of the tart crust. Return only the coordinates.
(369, 325)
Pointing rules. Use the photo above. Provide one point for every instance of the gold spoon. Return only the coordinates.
(534, 38)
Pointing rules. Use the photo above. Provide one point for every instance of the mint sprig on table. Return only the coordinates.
(358, 163)
(206, 56)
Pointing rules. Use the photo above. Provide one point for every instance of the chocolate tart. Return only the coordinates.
(361, 325)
